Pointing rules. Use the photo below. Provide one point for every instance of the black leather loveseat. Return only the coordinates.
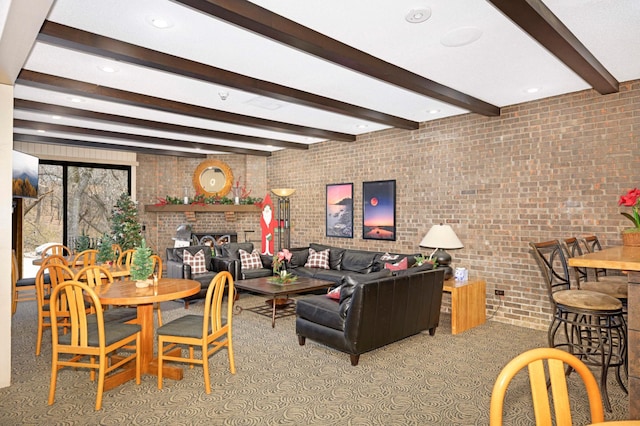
(372, 314)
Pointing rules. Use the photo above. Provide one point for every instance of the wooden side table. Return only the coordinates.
(468, 303)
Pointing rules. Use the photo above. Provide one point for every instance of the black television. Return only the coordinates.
(25, 175)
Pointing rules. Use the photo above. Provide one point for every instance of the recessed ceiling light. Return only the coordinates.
(56, 117)
(533, 90)
(160, 23)
(362, 126)
(434, 111)
(76, 100)
(461, 36)
(107, 68)
(266, 103)
(415, 16)
(41, 131)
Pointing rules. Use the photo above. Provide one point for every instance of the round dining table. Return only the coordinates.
(125, 293)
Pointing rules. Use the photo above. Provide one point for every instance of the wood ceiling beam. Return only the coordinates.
(262, 21)
(83, 131)
(80, 88)
(25, 105)
(75, 39)
(48, 140)
(539, 22)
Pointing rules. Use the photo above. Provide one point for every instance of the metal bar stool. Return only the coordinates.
(588, 324)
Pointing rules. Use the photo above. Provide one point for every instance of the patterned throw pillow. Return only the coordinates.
(334, 293)
(250, 260)
(318, 259)
(398, 266)
(196, 261)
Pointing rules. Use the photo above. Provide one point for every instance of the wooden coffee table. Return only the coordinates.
(279, 305)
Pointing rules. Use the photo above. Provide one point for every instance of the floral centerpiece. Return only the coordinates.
(631, 236)
(280, 274)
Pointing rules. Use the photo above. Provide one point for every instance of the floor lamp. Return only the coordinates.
(283, 217)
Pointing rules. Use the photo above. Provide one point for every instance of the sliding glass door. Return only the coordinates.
(73, 207)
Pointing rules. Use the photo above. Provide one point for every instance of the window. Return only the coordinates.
(74, 201)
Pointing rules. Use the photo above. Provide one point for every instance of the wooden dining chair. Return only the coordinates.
(23, 289)
(126, 257)
(55, 268)
(89, 338)
(211, 331)
(557, 363)
(14, 279)
(96, 275)
(157, 274)
(85, 258)
(117, 250)
(58, 249)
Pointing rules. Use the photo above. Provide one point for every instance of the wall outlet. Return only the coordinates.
(499, 292)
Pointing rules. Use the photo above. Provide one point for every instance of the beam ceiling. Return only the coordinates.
(266, 23)
(538, 21)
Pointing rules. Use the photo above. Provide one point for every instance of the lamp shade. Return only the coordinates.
(441, 236)
(283, 192)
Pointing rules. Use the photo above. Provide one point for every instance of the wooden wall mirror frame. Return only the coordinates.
(213, 178)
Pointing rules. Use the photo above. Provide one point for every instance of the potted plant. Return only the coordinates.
(142, 265)
(631, 236)
(106, 255)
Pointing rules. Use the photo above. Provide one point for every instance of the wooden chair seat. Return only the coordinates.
(586, 299)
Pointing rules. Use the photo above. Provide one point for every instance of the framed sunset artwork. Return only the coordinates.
(339, 218)
(379, 210)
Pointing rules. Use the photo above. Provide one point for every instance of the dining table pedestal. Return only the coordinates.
(126, 293)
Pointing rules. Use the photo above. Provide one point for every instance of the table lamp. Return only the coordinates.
(442, 237)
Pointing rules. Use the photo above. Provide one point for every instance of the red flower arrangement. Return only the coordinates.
(632, 199)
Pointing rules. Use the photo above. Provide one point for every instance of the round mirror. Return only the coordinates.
(213, 178)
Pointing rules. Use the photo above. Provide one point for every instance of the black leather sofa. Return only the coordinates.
(176, 268)
(372, 314)
(342, 262)
(345, 262)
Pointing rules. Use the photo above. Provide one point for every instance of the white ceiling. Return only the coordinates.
(498, 68)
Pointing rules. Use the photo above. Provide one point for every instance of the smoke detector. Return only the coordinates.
(415, 16)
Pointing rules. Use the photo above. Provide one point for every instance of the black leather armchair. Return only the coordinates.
(372, 314)
(229, 260)
(176, 268)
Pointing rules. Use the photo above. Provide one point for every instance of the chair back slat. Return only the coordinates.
(557, 363)
(553, 264)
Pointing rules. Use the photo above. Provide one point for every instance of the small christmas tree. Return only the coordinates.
(105, 250)
(125, 228)
(141, 263)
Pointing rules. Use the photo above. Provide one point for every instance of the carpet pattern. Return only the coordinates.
(421, 380)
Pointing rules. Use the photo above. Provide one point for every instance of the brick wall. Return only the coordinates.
(542, 170)
(161, 176)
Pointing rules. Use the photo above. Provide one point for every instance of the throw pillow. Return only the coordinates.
(334, 293)
(398, 266)
(196, 261)
(250, 260)
(318, 259)
(388, 256)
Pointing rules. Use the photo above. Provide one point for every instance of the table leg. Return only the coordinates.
(633, 348)
(273, 313)
(148, 364)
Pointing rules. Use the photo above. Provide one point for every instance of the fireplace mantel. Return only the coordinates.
(211, 208)
(190, 210)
